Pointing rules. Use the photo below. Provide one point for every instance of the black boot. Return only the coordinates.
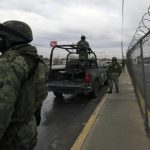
(117, 90)
(110, 91)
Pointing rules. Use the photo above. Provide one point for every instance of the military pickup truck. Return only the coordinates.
(68, 76)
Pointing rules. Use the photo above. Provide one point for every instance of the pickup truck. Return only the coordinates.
(69, 78)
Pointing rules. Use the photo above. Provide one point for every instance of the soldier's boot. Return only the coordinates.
(117, 90)
(110, 91)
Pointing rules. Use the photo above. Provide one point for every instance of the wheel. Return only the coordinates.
(58, 94)
(95, 92)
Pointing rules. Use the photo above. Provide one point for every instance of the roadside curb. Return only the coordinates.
(85, 131)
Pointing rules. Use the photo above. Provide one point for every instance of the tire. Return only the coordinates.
(58, 94)
(95, 92)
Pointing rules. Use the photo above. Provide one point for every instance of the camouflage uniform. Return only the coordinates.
(123, 64)
(114, 72)
(20, 96)
(83, 47)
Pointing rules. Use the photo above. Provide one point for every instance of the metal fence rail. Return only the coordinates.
(138, 63)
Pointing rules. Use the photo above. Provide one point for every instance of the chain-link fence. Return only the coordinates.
(138, 63)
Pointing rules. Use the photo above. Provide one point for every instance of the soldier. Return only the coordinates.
(123, 64)
(83, 48)
(114, 72)
(23, 86)
(83, 42)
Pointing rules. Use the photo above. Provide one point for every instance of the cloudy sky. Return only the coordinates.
(65, 21)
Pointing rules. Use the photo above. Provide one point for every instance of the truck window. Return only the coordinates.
(59, 58)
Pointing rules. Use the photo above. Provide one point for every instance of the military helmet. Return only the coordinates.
(83, 37)
(114, 59)
(16, 32)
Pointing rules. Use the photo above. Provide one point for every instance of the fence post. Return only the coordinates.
(146, 122)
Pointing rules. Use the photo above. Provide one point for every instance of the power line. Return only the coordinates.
(40, 45)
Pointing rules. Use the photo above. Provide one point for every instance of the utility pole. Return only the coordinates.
(122, 30)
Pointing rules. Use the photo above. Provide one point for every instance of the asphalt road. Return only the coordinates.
(63, 120)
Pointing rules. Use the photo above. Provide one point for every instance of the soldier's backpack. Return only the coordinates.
(35, 74)
(41, 91)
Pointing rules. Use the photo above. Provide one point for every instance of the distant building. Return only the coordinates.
(147, 60)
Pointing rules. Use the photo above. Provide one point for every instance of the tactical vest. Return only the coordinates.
(115, 68)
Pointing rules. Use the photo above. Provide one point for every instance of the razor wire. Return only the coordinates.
(142, 29)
